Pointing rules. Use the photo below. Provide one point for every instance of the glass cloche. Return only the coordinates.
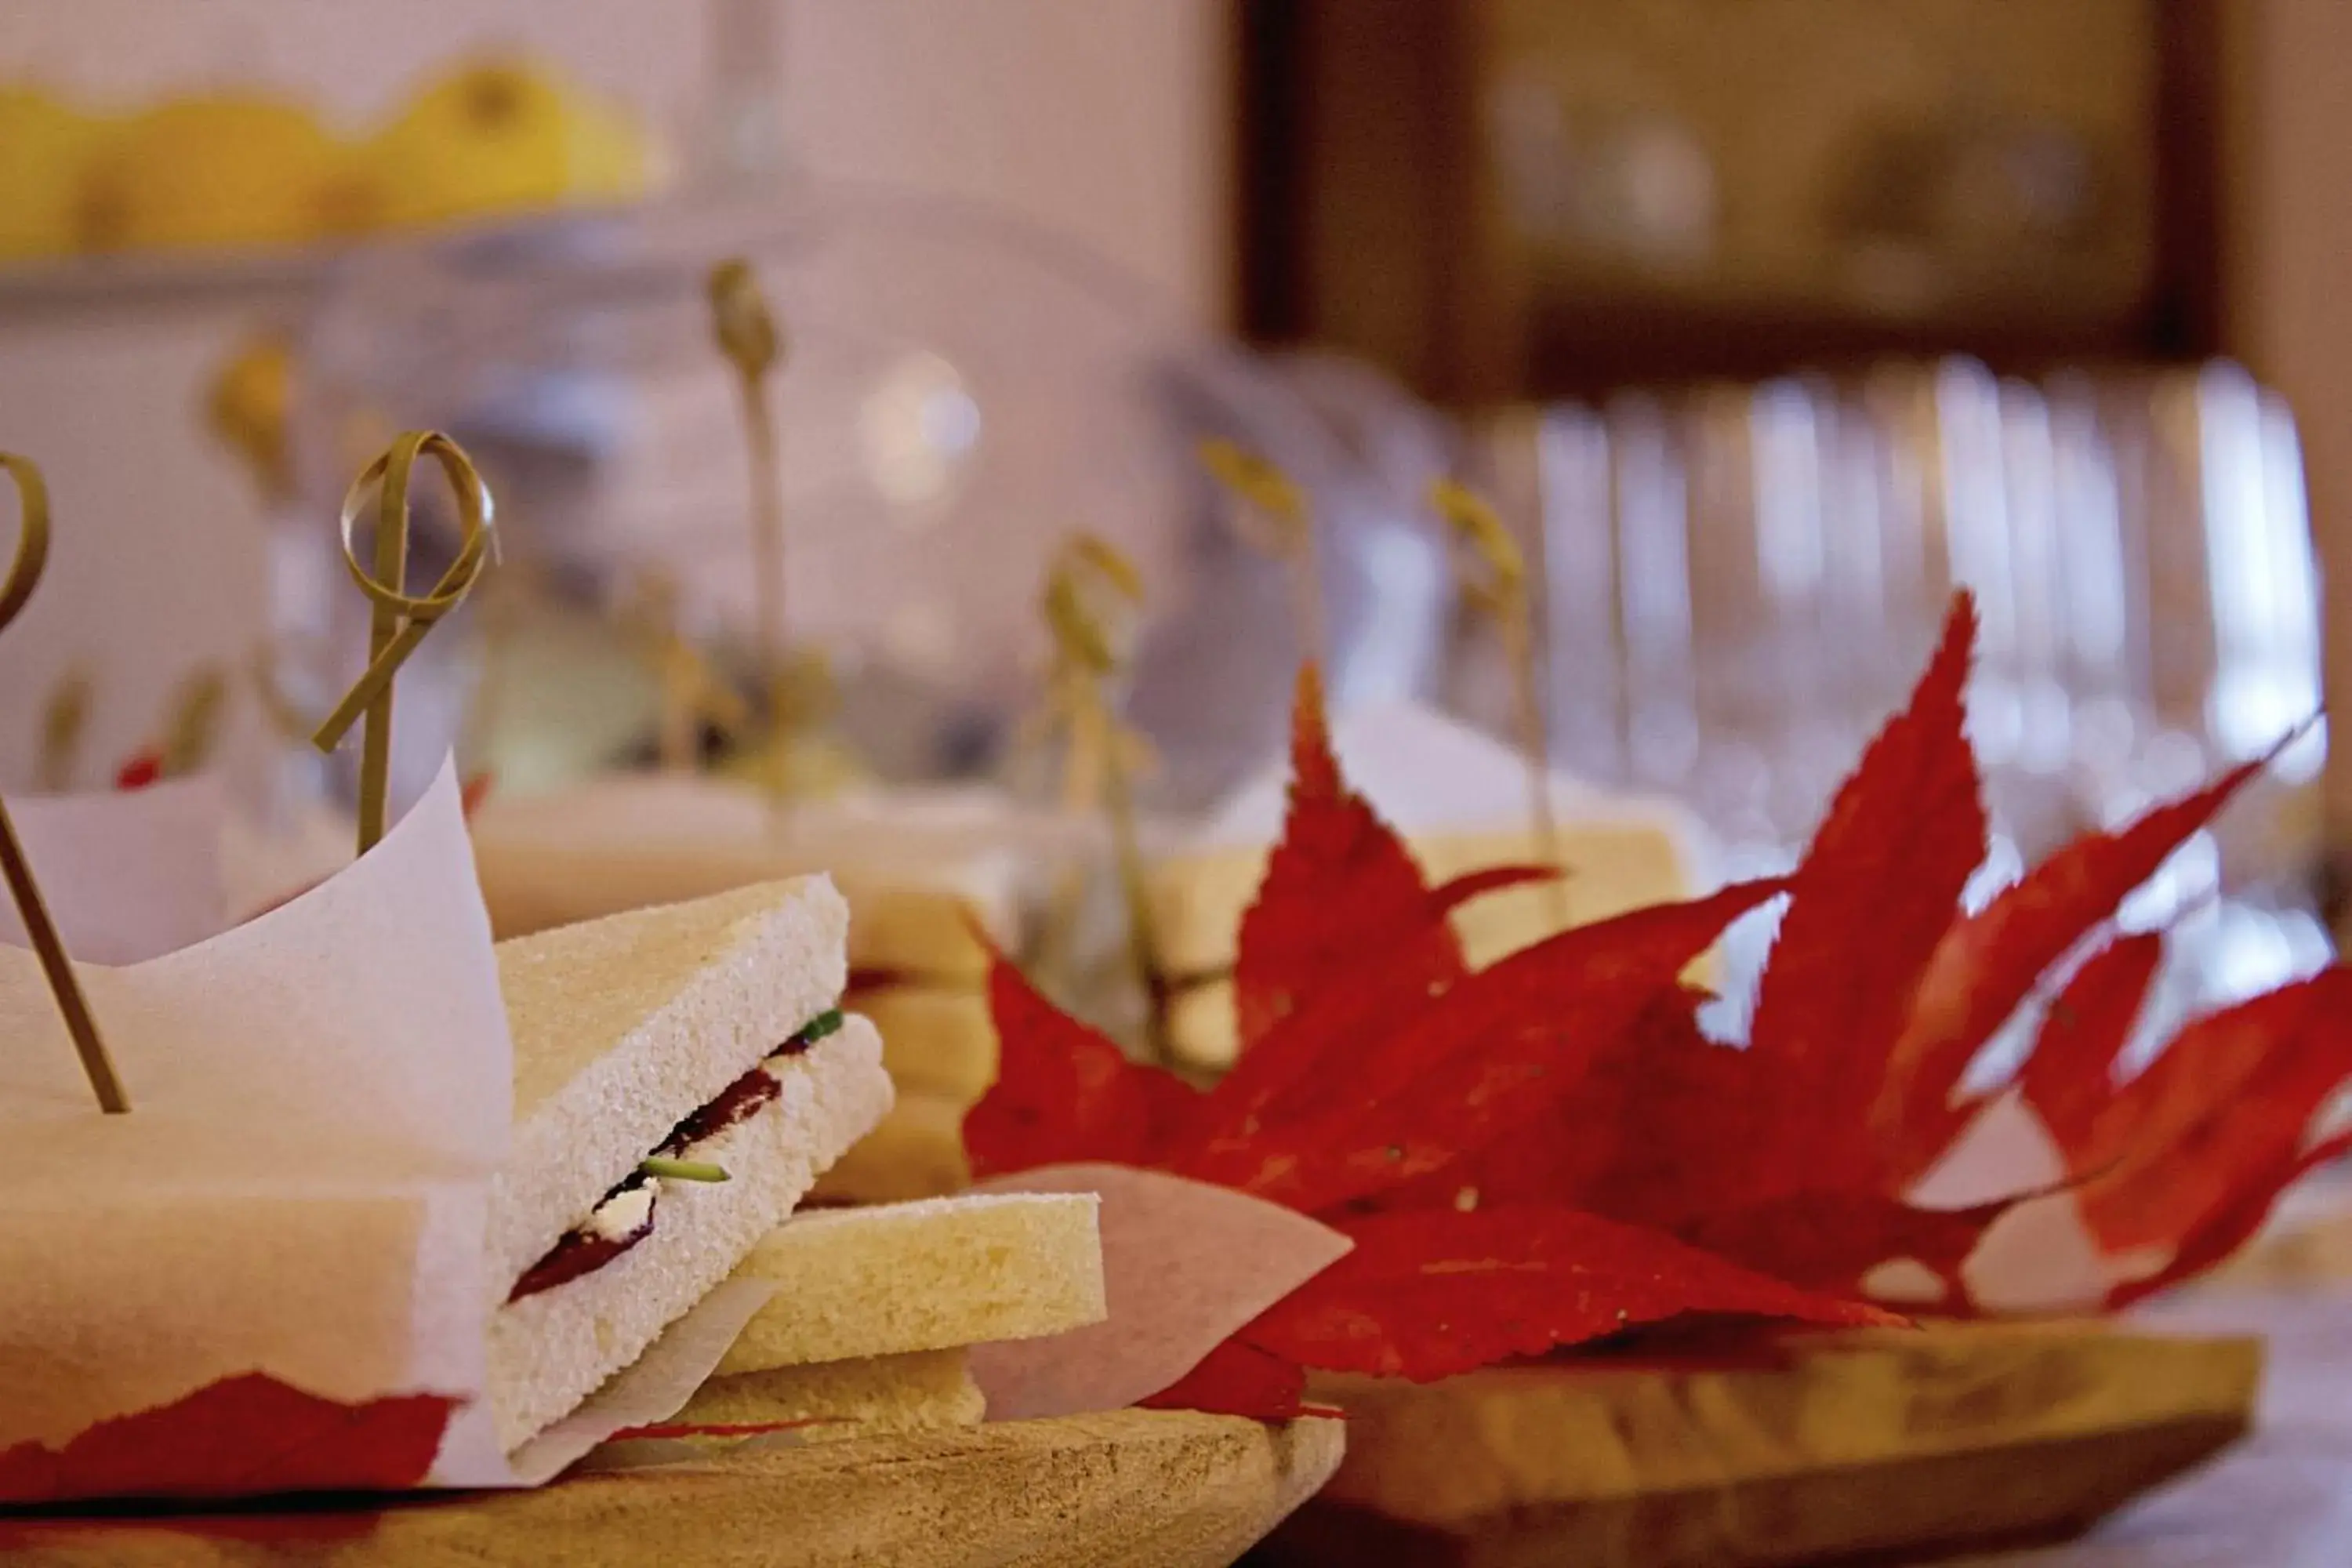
(959, 392)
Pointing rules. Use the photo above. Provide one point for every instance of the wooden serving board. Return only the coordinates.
(1151, 1488)
(1888, 1442)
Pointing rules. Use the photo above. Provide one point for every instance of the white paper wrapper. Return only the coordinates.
(128, 875)
(1184, 1265)
(1429, 774)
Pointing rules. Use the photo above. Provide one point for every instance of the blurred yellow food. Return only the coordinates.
(230, 170)
(501, 137)
(46, 148)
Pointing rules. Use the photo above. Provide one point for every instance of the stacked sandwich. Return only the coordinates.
(875, 1308)
(682, 1075)
(931, 876)
(1461, 799)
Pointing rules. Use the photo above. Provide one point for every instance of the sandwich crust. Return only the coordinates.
(922, 1276)
(935, 1041)
(918, 871)
(843, 1399)
(916, 1152)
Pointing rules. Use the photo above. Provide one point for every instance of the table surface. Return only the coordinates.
(2282, 1498)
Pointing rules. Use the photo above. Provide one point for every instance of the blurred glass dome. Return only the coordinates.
(960, 392)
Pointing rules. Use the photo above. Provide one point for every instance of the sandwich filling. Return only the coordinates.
(625, 1215)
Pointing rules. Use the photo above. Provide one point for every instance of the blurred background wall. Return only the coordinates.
(2129, 183)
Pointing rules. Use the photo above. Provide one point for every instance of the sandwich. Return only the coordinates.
(682, 1075)
(933, 879)
(874, 1310)
(1460, 799)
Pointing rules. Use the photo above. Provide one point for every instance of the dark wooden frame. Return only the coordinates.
(1362, 197)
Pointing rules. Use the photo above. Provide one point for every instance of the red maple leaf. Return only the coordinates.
(2232, 1098)
(1871, 901)
(1340, 883)
(2223, 1232)
(1239, 1379)
(2069, 1077)
(1355, 976)
(1793, 1156)
(1765, 1154)
(1547, 1150)
(1832, 1238)
(1632, 1153)
(1432, 1293)
(1469, 1064)
(242, 1437)
(1064, 1093)
(1989, 963)
(1316, 1036)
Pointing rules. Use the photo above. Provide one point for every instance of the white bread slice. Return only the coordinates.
(853, 1283)
(916, 1152)
(625, 1026)
(935, 1041)
(909, 1393)
(917, 871)
(551, 1350)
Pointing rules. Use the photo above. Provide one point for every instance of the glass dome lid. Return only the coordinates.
(959, 392)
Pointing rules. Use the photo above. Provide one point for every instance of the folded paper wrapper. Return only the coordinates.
(1184, 1266)
(320, 1098)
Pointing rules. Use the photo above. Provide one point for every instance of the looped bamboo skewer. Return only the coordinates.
(1271, 512)
(400, 620)
(747, 335)
(1102, 754)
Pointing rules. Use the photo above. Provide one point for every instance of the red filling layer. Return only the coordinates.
(735, 1103)
(578, 1252)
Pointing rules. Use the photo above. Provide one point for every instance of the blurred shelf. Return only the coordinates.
(114, 282)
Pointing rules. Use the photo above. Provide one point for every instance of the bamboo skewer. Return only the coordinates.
(1100, 754)
(692, 694)
(747, 335)
(1501, 592)
(65, 719)
(57, 967)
